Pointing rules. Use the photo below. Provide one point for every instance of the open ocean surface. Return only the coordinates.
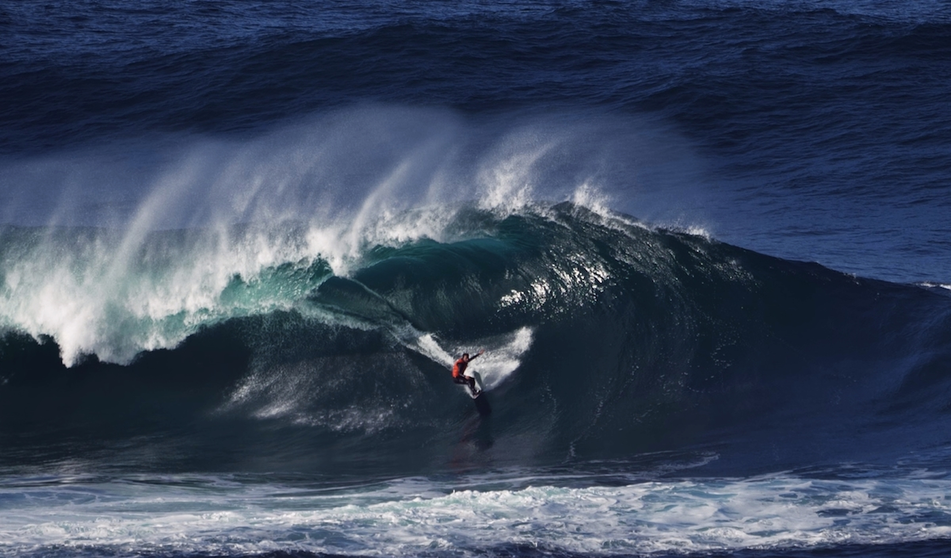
(706, 245)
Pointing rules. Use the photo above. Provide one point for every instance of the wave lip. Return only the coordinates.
(115, 295)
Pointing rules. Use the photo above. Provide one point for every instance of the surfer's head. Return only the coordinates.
(465, 356)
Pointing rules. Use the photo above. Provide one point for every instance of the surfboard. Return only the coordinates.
(481, 400)
(479, 385)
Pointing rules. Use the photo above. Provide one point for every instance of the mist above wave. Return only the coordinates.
(309, 198)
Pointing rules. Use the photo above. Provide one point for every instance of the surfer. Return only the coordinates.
(459, 372)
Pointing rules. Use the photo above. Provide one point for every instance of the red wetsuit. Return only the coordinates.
(458, 374)
(459, 368)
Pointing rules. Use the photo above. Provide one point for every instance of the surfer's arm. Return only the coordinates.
(477, 355)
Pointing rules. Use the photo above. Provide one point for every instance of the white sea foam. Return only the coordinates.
(931, 285)
(416, 516)
(115, 300)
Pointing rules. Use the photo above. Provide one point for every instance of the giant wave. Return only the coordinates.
(605, 338)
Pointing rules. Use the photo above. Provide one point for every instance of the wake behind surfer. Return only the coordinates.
(459, 372)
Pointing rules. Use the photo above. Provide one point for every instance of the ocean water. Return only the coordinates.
(705, 245)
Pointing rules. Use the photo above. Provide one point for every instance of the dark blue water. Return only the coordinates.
(704, 244)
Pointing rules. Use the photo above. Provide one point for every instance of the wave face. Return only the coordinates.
(243, 349)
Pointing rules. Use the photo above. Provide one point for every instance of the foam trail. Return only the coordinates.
(501, 359)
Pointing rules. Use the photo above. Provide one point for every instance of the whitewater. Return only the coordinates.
(228, 515)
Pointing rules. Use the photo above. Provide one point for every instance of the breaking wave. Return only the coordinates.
(604, 338)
